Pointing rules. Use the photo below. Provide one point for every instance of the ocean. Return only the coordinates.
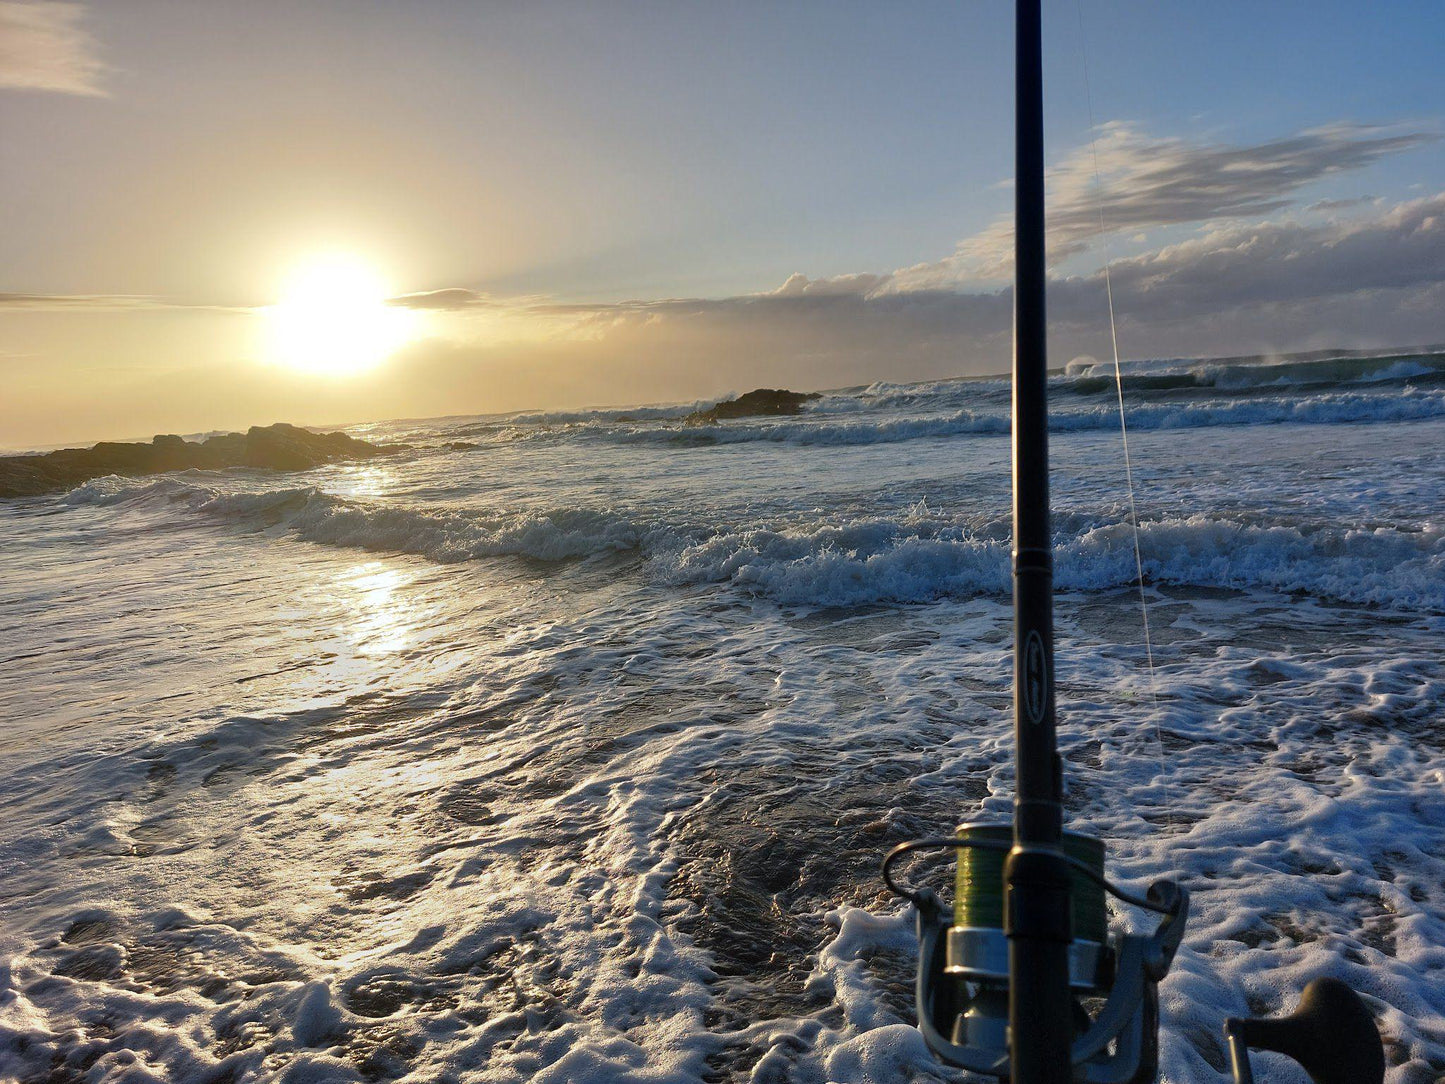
(564, 747)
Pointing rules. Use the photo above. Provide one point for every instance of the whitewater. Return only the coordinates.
(564, 746)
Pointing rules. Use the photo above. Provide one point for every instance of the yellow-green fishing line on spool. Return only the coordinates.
(978, 897)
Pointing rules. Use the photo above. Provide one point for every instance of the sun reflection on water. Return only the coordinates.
(381, 620)
(364, 480)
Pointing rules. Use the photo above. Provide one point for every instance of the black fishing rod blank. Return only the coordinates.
(1000, 989)
(1023, 980)
(1036, 913)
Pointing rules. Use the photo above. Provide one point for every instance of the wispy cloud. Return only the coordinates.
(799, 285)
(17, 302)
(1339, 204)
(1149, 183)
(44, 46)
(453, 298)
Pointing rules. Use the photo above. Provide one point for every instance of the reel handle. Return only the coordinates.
(1332, 1034)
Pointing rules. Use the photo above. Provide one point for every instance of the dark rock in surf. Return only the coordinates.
(759, 403)
(272, 447)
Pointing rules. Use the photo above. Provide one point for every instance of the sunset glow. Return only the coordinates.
(333, 319)
(604, 541)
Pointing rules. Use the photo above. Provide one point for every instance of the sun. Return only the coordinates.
(334, 319)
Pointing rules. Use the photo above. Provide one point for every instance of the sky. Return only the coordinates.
(214, 215)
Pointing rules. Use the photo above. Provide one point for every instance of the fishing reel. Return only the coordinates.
(962, 988)
(963, 976)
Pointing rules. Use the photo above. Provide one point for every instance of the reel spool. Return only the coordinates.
(976, 947)
(962, 986)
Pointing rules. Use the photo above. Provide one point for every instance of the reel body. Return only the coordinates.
(962, 986)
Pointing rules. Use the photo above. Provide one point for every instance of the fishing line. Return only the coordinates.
(1102, 238)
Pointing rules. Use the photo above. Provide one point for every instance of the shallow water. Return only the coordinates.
(570, 755)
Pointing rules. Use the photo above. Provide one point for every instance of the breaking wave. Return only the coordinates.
(889, 561)
(1341, 409)
(913, 557)
(610, 414)
(1335, 409)
(1162, 394)
(963, 423)
(1087, 377)
(442, 535)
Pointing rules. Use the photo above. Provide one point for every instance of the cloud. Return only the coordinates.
(72, 302)
(452, 298)
(799, 285)
(1373, 278)
(19, 302)
(1272, 263)
(1149, 183)
(1339, 204)
(43, 46)
(1375, 281)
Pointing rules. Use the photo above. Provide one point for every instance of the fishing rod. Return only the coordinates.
(1010, 982)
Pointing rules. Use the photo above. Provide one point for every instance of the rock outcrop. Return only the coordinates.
(271, 447)
(761, 402)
